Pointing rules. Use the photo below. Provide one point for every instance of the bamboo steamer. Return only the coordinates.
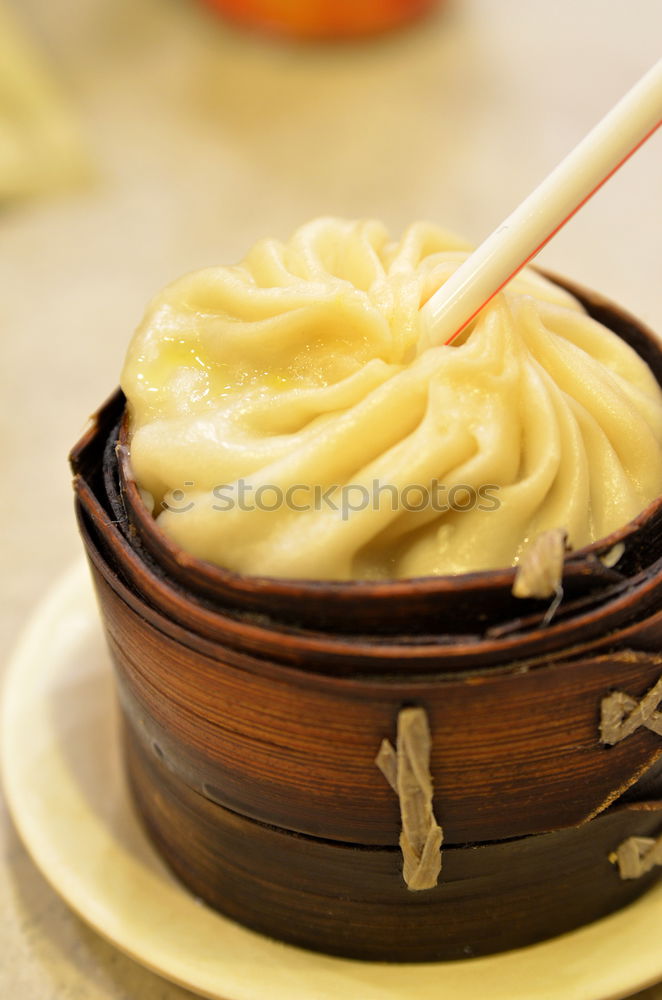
(258, 706)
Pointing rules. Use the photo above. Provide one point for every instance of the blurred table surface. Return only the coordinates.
(204, 138)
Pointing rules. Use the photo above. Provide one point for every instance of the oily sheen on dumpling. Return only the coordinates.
(268, 400)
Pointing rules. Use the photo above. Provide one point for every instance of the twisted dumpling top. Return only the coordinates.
(284, 425)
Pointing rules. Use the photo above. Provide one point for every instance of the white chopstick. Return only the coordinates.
(519, 238)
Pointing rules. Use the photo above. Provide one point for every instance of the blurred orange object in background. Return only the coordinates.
(323, 18)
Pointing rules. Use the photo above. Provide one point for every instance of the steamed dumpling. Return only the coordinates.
(284, 425)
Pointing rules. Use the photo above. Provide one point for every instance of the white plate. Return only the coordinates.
(66, 791)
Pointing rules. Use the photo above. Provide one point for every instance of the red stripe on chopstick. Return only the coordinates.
(555, 230)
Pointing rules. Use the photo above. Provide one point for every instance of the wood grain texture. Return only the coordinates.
(514, 752)
(352, 901)
(628, 612)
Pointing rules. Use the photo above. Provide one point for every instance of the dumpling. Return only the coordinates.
(284, 424)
